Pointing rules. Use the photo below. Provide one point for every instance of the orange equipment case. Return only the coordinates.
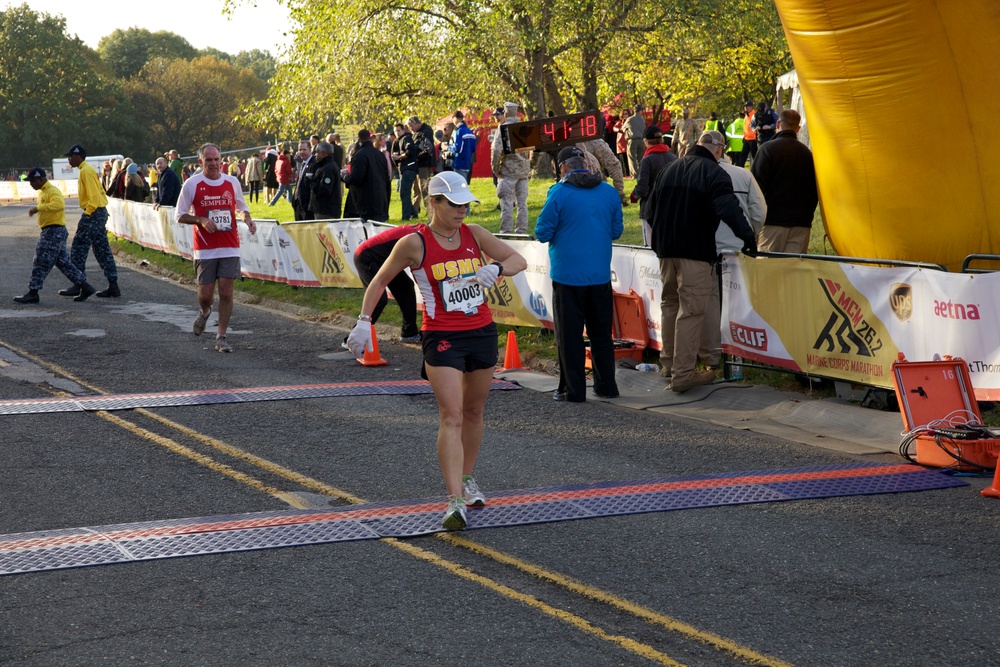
(631, 336)
(937, 400)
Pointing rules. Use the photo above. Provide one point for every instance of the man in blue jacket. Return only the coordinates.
(463, 147)
(581, 217)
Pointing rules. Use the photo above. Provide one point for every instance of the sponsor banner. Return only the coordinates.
(326, 250)
(22, 190)
(851, 322)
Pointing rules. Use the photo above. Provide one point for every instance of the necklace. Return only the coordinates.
(446, 238)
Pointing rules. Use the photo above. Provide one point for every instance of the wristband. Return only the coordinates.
(364, 318)
(499, 266)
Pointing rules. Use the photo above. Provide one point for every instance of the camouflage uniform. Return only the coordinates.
(512, 172)
(51, 251)
(92, 232)
(600, 159)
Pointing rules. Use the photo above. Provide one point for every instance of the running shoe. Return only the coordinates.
(454, 517)
(409, 339)
(199, 322)
(470, 490)
(221, 345)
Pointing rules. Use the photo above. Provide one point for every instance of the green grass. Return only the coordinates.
(536, 345)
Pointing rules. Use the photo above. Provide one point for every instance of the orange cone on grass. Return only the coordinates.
(372, 356)
(512, 358)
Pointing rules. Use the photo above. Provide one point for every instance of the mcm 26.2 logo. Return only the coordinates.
(846, 330)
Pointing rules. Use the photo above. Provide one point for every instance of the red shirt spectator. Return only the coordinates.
(283, 169)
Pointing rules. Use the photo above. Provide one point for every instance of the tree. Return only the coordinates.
(187, 103)
(53, 94)
(126, 51)
(432, 56)
(260, 62)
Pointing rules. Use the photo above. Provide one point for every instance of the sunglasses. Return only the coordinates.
(450, 202)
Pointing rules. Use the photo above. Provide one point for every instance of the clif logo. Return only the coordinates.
(956, 311)
(748, 336)
(901, 301)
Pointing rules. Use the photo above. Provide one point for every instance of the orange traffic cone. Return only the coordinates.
(993, 491)
(512, 358)
(372, 357)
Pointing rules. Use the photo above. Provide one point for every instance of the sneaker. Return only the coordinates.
(470, 491)
(199, 322)
(345, 345)
(86, 290)
(409, 339)
(698, 379)
(454, 516)
(221, 345)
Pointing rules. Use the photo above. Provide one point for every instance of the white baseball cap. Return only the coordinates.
(452, 186)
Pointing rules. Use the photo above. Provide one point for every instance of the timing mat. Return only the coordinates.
(168, 399)
(152, 540)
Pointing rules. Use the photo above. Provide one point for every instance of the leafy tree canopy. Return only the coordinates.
(431, 56)
(126, 51)
(186, 103)
(53, 93)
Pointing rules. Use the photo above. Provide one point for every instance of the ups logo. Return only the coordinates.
(901, 301)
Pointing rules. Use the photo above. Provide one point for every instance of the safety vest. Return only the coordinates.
(734, 136)
(712, 126)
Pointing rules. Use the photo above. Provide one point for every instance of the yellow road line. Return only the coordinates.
(632, 645)
(745, 654)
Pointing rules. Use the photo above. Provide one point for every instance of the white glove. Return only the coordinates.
(487, 275)
(360, 338)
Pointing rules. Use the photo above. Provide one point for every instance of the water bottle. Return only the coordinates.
(736, 368)
(647, 368)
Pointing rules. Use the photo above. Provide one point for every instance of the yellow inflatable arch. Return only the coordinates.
(903, 101)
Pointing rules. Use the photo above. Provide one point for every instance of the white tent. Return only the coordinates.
(789, 96)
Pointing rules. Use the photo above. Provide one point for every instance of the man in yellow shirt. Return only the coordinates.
(51, 248)
(91, 231)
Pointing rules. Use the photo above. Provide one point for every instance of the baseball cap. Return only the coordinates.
(36, 172)
(652, 132)
(498, 111)
(452, 186)
(76, 150)
(568, 153)
(747, 104)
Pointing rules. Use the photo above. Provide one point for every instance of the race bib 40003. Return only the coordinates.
(462, 294)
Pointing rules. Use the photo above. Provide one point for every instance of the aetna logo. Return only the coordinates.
(956, 311)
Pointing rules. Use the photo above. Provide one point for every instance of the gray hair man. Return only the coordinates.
(755, 210)
(688, 199)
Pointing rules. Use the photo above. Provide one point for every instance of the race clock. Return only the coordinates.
(547, 134)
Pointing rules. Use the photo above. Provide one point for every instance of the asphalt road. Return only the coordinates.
(902, 579)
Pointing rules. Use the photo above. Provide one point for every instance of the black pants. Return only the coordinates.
(254, 191)
(749, 150)
(402, 290)
(576, 307)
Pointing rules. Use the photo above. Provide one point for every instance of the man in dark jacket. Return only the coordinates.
(654, 160)
(168, 185)
(324, 184)
(368, 182)
(785, 172)
(687, 201)
(300, 200)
